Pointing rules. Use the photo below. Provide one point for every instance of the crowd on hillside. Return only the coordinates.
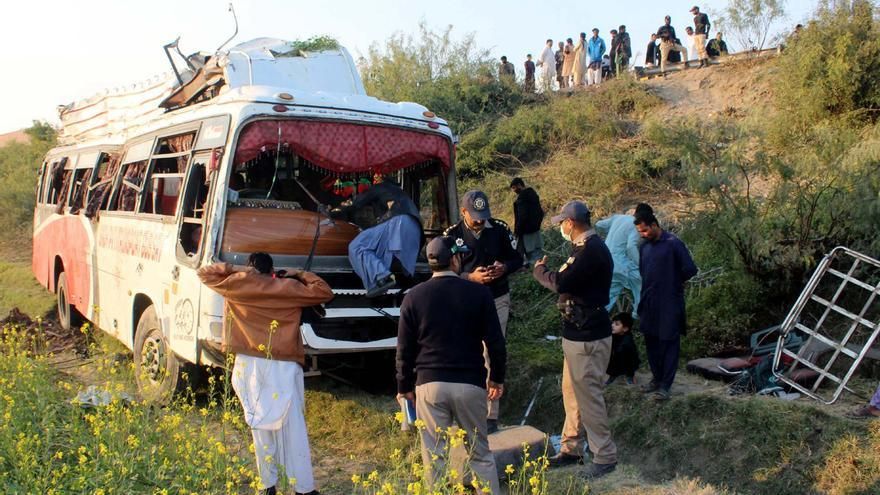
(590, 60)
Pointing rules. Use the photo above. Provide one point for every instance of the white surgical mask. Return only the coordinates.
(565, 236)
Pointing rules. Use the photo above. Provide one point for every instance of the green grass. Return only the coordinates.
(19, 289)
(755, 445)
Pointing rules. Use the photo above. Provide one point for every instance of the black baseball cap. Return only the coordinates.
(477, 205)
(575, 210)
(441, 249)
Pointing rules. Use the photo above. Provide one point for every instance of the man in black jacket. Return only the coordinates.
(491, 257)
(527, 215)
(443, 327)
(669, 43)
(583, 283)
(717, 47)
(701, 33)
(652, 53)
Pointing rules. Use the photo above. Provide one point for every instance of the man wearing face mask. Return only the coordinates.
(491, 256)
(583, 283)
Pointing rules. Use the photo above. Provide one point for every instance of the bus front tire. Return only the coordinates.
(157, 369)
(68, 316)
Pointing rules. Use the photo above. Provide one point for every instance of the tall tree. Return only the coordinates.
(750, 22)
(454, 78)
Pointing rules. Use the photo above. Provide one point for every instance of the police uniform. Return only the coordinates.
(494, 243)
(582, 283)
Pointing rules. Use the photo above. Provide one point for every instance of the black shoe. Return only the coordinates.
(610, 380)
(313, 492)
(594, 470)
(650, 387)
(491, 425)
(562, 459)
(269, 491)
(381, 287)
(661, 394)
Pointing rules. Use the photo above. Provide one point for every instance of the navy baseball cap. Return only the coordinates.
(477, 205)
(575, 210)
(441, 249)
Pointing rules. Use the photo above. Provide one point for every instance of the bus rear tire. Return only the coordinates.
(157, 368)
(68, 316)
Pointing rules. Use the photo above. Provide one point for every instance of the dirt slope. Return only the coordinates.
(735, 88)
(15, 136)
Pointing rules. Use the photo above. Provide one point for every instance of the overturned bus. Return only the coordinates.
(245, 151)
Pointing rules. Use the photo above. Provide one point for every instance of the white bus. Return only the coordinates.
(243, 155)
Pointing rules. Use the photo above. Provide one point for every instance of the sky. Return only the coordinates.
(56, 52)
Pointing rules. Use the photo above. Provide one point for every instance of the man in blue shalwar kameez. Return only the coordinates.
(397, 234)
(665, 265)
(622, 240)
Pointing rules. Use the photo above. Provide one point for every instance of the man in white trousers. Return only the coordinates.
(547, 62)
(595, 50)
(262, 328)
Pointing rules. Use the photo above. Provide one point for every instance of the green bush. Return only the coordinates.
(19, 163)
(454, 79)
(723, 314)
(832, 68)
(565, 123)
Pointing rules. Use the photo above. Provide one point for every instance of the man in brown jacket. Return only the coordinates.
(263, 330)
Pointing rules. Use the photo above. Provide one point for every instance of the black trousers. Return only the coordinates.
(663, 359)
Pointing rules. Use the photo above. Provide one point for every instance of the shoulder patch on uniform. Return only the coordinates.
(500, 223)
(567, 264)
(451, 228)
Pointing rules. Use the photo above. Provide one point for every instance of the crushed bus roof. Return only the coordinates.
(264, 70)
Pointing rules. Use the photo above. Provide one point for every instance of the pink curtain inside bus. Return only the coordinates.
(344, 148)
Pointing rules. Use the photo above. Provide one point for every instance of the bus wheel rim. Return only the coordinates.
(153, 358)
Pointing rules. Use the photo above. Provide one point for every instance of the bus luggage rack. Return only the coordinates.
(841, 298)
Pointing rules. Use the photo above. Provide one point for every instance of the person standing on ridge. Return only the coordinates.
(612, 52)
(560, 61)
(701, 33)
(596, 50)
(530, 74)
(624, 51)
(568, 63)
(506, 71)
(579, 70)
(547, 62)
(652, 54)
(689, 43)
